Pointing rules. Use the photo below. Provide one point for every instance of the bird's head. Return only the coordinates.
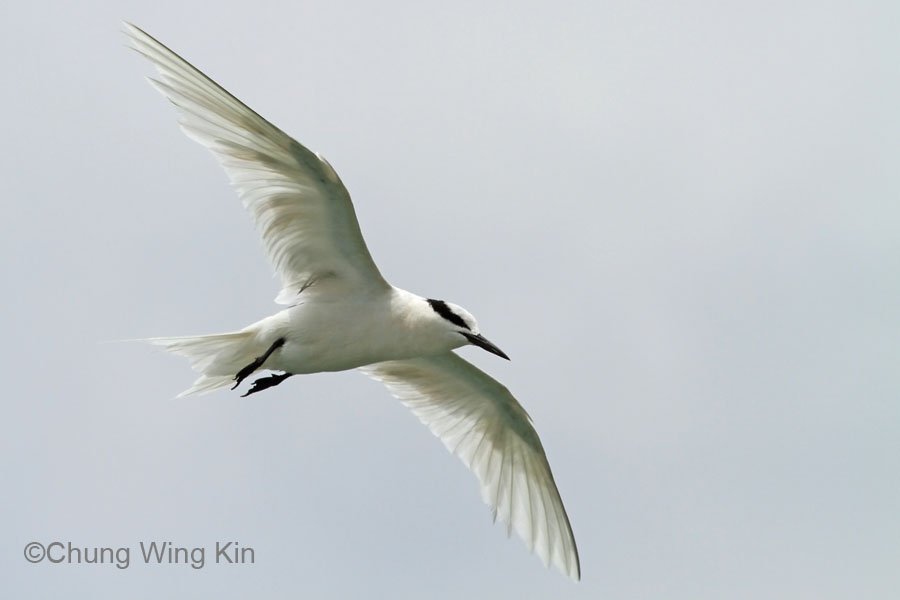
(459, 322)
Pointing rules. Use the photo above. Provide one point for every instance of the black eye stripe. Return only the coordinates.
(441, 308)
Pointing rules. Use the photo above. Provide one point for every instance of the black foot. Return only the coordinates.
(257, 363)
(264, 383)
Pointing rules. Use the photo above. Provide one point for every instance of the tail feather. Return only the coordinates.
(205, 384)
(217, 357)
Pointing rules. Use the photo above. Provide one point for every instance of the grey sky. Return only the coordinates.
(679, 219)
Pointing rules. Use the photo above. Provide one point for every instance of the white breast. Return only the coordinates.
(335, 336)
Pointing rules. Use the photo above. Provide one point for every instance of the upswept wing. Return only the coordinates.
(482, 423)
(301, 208)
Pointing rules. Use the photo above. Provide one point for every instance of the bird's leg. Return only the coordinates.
(264, 383)
(257, 363)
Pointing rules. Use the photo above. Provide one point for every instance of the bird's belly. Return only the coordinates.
(337, 338)
(314, 356)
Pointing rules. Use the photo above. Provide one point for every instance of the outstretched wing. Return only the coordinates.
(300, 206)
(482, 423)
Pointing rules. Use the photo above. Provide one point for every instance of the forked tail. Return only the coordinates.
(216, 357)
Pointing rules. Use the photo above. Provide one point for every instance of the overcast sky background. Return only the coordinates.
(680, 219)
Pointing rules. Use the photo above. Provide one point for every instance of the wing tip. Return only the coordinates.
(134, 33)
(575, 574)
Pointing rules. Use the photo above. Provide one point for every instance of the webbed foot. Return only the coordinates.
(264, 383)
(257, 363)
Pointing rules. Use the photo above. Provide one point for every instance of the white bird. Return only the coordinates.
(342, 314)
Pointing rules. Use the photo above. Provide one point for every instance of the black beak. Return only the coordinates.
(482, 342)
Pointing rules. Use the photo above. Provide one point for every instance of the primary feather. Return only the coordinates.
(479, 421)
(301, 208)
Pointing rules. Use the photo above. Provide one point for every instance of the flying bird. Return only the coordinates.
(341, 313)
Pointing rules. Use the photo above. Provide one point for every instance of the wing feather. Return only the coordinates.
(479, 421)
(302, 210)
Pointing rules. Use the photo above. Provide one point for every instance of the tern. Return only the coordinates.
(341, 313)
